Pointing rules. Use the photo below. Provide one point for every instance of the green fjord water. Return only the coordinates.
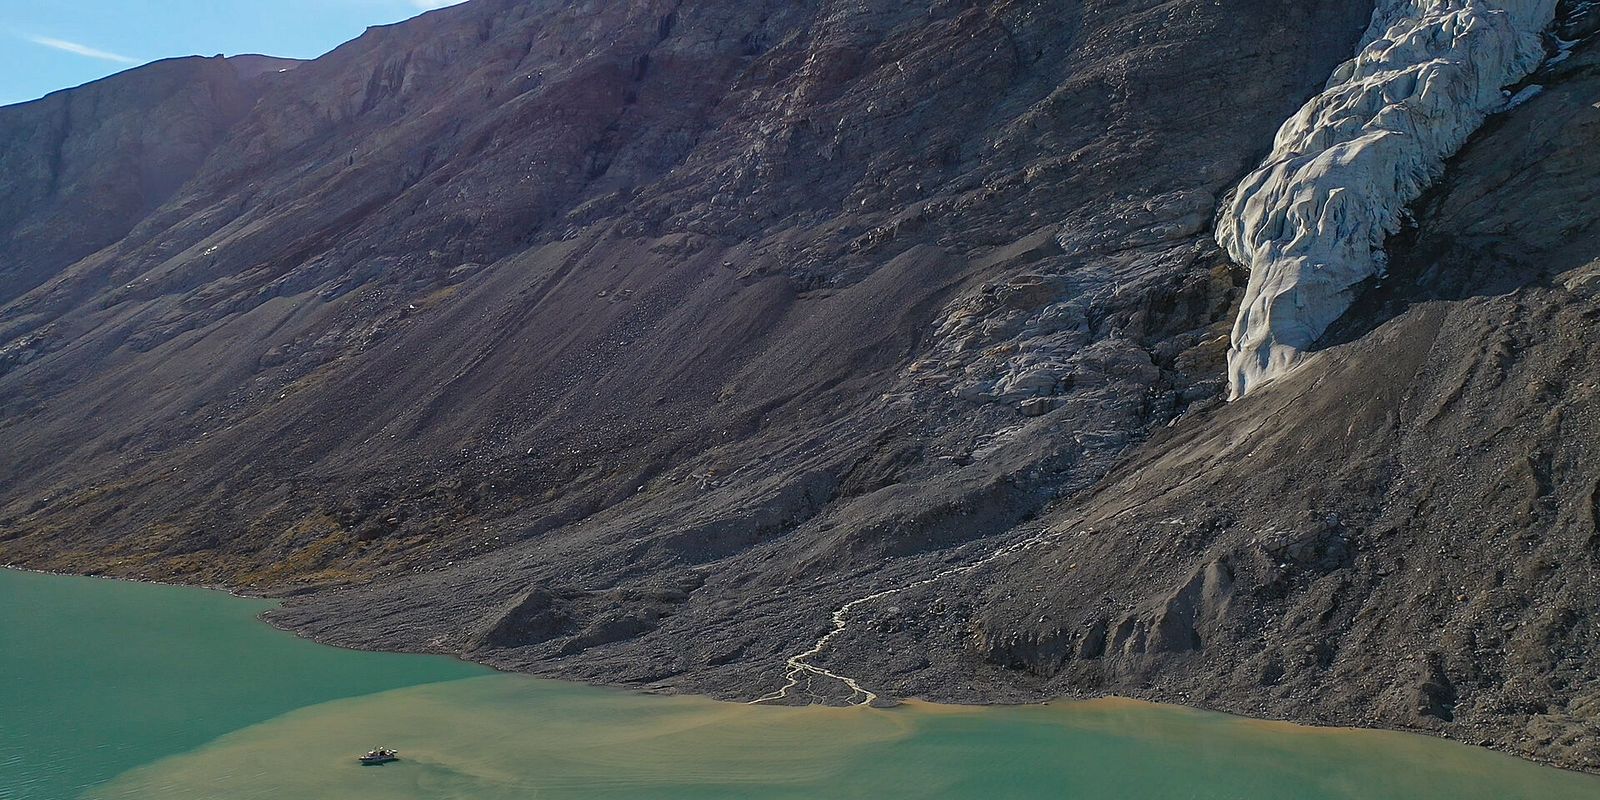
(141, 691)
(100, 676)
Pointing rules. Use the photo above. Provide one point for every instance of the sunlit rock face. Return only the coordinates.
(1310, 222)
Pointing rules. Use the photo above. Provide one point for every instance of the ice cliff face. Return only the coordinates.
(1310, 222)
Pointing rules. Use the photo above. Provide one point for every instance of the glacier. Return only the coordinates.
(1310, 222)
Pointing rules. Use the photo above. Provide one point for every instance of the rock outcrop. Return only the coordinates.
(82, 167)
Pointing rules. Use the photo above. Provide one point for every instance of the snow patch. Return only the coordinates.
(1310, 222)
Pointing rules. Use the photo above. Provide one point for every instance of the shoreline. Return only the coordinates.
(1016, 700)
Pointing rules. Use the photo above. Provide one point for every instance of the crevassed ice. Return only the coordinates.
(1310, 222)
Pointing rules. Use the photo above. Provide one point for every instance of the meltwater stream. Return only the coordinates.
(122, 690)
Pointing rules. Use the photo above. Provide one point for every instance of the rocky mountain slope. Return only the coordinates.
(84, 166)
(630, 341)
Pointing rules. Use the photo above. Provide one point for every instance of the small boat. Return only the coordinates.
(379, 755)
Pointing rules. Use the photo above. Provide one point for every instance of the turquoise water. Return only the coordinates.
(141, 691)
(100, 676)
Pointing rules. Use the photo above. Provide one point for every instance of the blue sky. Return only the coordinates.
(47, 45)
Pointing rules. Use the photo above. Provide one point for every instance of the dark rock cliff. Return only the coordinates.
(627, 341)
(83, 166)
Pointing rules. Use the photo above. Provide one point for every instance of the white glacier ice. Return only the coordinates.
(1310, 222)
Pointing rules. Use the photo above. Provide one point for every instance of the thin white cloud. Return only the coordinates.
(85, 50)
(429, 5)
